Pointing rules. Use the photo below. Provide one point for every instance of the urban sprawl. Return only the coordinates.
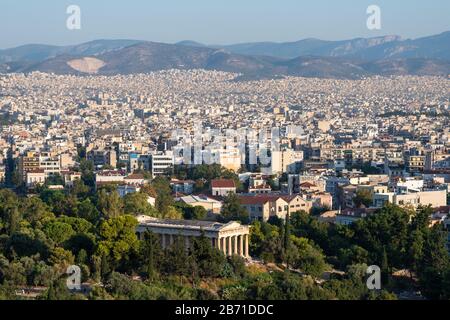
(339, 150)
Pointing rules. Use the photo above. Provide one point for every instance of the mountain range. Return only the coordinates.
(348, 59)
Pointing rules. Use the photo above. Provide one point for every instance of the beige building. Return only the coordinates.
(211, 205)
(230, 159)
(285, 161)
(263, 207)
(109, 177)
(35, 177)
(231, 238)
(435, 199)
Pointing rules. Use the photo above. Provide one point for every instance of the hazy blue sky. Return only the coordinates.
(215, 21)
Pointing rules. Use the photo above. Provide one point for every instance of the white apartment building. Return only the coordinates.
(161, 162)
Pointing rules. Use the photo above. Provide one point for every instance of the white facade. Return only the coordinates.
(161, 162)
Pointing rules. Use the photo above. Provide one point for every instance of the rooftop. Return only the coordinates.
(223, 183)
(185, 224)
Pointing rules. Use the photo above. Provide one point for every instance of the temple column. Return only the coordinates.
(230, 247)
(187, 242)
(246, 246)
(224, 245)
(241, 245)
(163, 241)
(235, 242)
(171, 239)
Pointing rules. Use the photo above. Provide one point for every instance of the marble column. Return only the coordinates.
(235, 242)
(241, 245)
(224, 245)
(230, 247)
(246, 246)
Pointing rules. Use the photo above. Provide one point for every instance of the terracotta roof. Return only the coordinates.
(245, 200)
(135, 176)
(261, 199)
(223, 183)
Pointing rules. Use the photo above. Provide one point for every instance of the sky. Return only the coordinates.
(216, 21)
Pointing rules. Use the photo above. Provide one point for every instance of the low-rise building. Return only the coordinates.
(213, 206)
(222, 187)
(435, 199)
(182, 186)
(35, 177)
(264, 207)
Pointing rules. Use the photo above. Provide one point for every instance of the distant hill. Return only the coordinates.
(433, 47)
(39, 53)
(309, 47)
(151, 56)
(190, 43)
(350, 59)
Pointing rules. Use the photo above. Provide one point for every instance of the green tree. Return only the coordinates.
(172, 213)
(151, 254)
(57, 291)
(87, 172)
(386, 230)
(58, 231)
(176, 257)
(109, 204)
(363, 197)
(10, 215)
(194, 213)
(36, 212)
(233, 210)
(137, 204)
(435, 263)
(61, 258)
(118, 238)
(164, 198)
(310, 259)
(209, 260)
(80, 189)
(88, 211)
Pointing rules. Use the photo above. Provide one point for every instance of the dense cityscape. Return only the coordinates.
(197, 185)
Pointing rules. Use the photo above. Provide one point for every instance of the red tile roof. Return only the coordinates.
(135, 176)
(223, 183)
